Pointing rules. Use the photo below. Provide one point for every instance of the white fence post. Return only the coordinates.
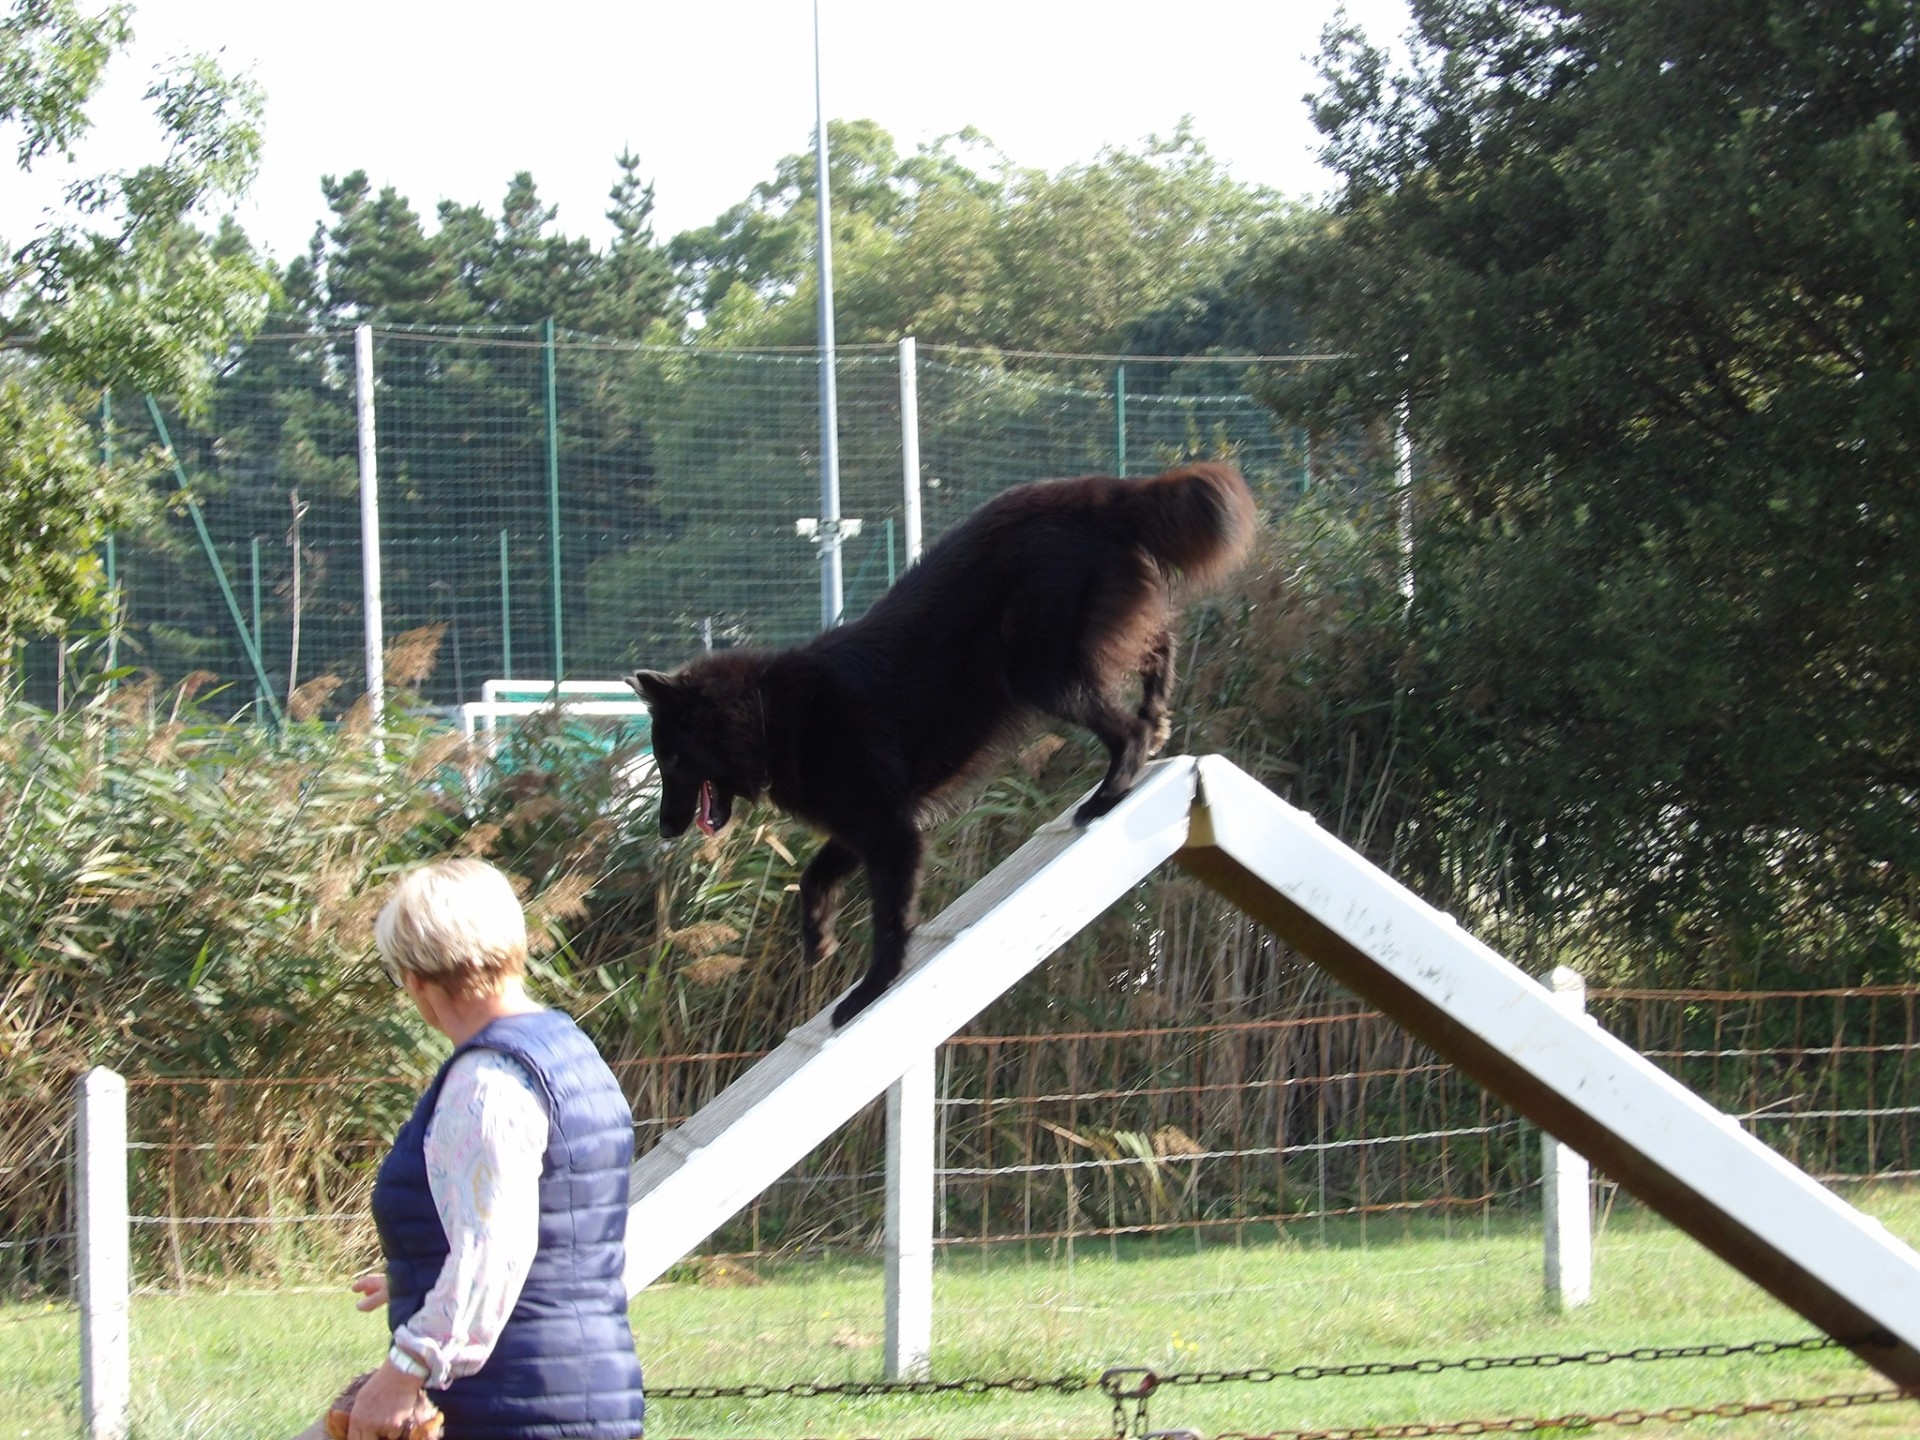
(1565, 1194)
(910, 448)
(910, 1163)
(369, 526)
(106, 1373)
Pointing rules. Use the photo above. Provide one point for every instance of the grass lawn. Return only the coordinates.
(259, 1365)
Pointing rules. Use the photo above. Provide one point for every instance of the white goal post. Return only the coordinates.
(516, 699)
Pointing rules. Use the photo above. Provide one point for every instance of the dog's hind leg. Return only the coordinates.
(893, 883)
(820, 898)
(1156, 685)
(1126, 735)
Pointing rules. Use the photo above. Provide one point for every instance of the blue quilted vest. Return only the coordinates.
(564, 1368)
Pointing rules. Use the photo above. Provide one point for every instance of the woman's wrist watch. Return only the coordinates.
(406, 1362)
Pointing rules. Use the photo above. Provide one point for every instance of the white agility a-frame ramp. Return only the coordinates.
(1696, 1166)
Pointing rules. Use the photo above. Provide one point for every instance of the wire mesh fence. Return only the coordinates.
(39, 1241)
(1218, 1132)
(1826, 1077)
(569, 506)
(1242, 1129)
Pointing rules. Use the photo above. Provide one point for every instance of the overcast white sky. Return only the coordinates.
(449, 101)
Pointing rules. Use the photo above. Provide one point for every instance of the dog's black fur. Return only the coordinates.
(1052, 598)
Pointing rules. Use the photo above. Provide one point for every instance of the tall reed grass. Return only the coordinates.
(187, 897)
(190, 899)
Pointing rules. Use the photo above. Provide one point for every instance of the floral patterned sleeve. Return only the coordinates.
(485, 1144)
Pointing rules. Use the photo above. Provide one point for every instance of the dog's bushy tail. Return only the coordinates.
(1197, 520)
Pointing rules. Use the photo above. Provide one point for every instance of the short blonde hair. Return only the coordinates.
(456, 922)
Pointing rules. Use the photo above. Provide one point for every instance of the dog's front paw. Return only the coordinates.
(855, 1000)
(1098, 805)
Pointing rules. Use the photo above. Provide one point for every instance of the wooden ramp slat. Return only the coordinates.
(703, 1173)
(1694, 1165)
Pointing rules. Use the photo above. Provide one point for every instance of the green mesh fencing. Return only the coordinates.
(676, 477)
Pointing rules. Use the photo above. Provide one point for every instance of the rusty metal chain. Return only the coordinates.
(1123, 1384)
(1520, 1424)
(1133, 1386)
(1137, 1385)
(1017, 1384)
(1370, 1368)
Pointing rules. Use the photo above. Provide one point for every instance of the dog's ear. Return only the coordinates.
(651, 686)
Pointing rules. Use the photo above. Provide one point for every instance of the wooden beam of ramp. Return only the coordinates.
(698, 1176)
(1768, 1219)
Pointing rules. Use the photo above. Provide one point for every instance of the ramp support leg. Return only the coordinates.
(1565, 1192)
(909, 1239)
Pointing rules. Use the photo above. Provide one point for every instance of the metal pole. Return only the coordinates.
(106, 458)
(506, 614)
(832, 597)
(113, 556)
(553, 504)
(248, 641)
(371, 619)
(254, 553)
(910, 448)
(1120, 420)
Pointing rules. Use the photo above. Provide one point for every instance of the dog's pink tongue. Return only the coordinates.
(703, 817)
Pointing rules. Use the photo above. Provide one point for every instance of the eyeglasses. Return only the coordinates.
(393, 973)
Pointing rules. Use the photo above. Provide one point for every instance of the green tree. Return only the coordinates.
(1233, 314)
(633, 289)
(767, 242)
(955, 245)
(121, 289)
(513, 270)
(380, 265)
(375, 261)
(1645, 278)
(1086, 252)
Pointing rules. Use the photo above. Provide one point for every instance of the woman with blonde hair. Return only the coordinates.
(502, 1205)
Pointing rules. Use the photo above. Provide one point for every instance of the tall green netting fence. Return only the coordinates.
(569, 507)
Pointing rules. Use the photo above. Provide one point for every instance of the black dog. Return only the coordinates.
(1053, 598)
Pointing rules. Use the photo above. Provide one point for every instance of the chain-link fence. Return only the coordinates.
(575, 507)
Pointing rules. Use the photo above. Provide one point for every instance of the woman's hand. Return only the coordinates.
(387, 1404)
(372, 1290)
